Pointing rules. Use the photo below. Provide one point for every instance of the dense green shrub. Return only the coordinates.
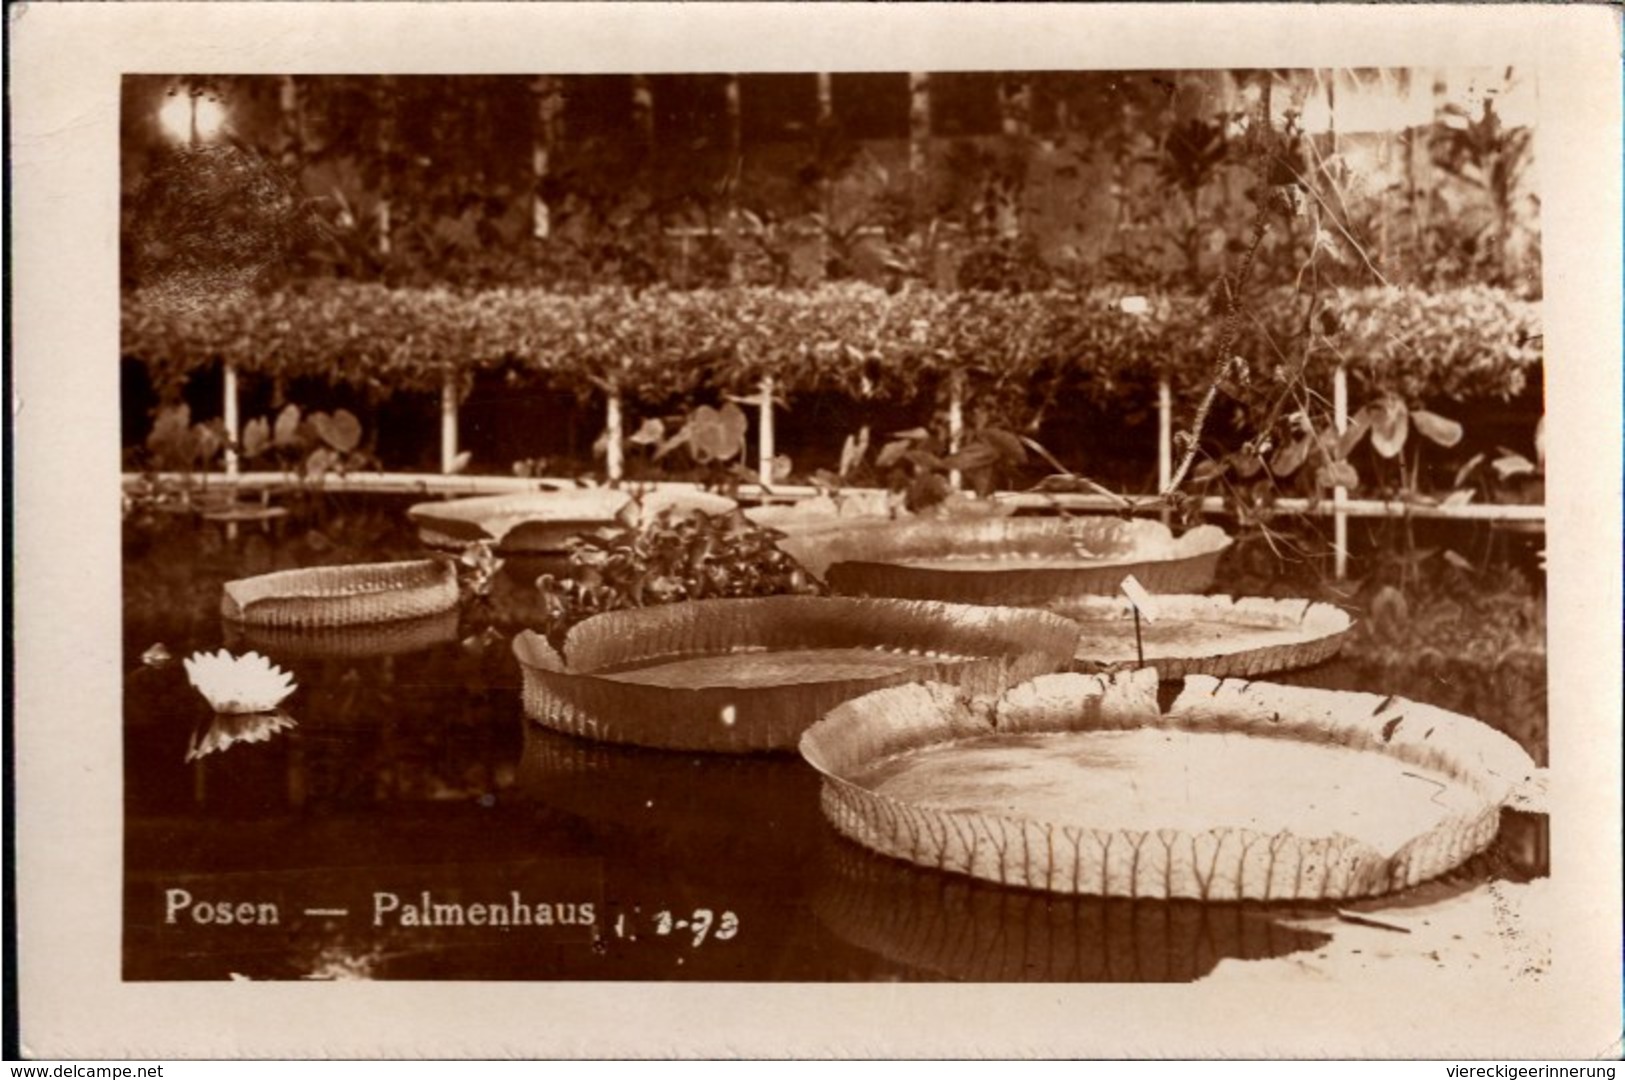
(1472, 343)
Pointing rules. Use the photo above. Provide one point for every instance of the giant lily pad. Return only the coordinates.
(333, 596)
(1023, 561)
(1206, 635)
(1241, 791)
(752, 674)
(823, 513)
(394, 638)
(541, 522)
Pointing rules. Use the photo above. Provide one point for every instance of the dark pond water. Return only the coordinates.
(409, 786)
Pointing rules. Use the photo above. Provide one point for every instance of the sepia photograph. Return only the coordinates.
(697, 528)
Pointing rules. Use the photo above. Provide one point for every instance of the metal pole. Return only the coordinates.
(448, 425)
(1165, 436)
(765, 451)
(614, 464)
(1340, 494)
(956, 422)
(229, 408)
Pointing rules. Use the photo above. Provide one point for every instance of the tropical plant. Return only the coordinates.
(713, 440)
(1486, 156)
(308, 447)
(669, 557)
(918, 465)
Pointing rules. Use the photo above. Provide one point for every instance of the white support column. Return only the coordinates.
(448, 425)
(765, 451)
(1340, 494)
(614, 462)
(1165, 433)
(234, 429)
(1165, 436)
(956, 422)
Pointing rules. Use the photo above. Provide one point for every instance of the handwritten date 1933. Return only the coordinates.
(702, 924)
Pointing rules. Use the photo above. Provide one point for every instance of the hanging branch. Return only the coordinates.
(1191, 440)
(1272, 194)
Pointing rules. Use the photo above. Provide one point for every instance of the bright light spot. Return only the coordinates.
(176, 117)
(729, 715)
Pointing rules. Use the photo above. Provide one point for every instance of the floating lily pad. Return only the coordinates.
(542, 522)
(1023, 561)
(1241, 791)
(393, 638)
(823, 512)
(752, 674)
(333, 596)
(1206, 635)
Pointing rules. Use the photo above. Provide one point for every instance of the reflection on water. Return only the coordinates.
(224, 730)
(411, 825)
(965, 929)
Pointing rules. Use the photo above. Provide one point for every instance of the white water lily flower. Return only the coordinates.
(239, 684)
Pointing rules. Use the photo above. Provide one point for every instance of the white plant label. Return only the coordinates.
(1141, 599)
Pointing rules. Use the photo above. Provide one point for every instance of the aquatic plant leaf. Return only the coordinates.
(716, 434)
(1359, 424)
(853, 451)
(649, 433)
(924, 459)
(207, 439)
(1008, 445)
(286, 433)
(1458, 561)
(1247, 464)
(341, 430)
(1445, 432)
(1466, 470)
(320, 461)
(1509, 465)
(256, 437)
(171, 428)
(1288, 459)
(679, 439)
(1074, 827)
(891, 453)
(1390, 422)
(1337, 474)
(975, 456)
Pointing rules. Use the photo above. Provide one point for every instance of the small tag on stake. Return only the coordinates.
(1143, 601)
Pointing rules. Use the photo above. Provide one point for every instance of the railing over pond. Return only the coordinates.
(449, 482)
